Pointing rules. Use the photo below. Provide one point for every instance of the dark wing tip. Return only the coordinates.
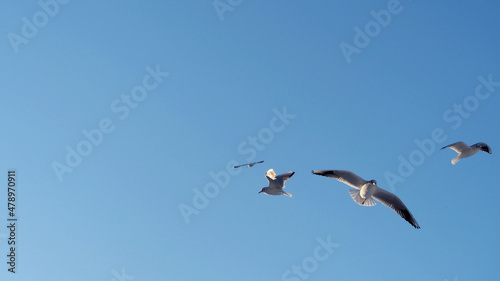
(405, 214)
(318, 172)
(288, 177)
(324, 173)
(486, 149)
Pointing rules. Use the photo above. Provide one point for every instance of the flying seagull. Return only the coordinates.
(248, 165)
(465, 151)
(276, 183)
(367, 191)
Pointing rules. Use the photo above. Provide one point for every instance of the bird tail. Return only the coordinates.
(360, 200)
(287, 194)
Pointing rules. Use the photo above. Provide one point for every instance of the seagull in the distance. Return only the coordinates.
(248, 165)
(465, 151)
(276, 183)
(366, 191)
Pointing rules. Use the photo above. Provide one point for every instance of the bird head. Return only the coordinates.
(374, 182)
(262, 190)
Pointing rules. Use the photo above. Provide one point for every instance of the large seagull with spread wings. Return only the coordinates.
(366, 191)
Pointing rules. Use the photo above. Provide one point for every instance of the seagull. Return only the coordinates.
(367, 191)
(276, 183)
(465, 151)
(248, 165)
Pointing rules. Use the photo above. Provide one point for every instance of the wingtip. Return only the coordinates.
(324, 173)
(415, 224)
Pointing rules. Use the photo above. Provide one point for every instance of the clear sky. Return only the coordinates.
(120, 119)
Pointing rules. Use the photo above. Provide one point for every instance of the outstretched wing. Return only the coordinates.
(239, 166)
(393, 202)
(346, 177)
(484, 147)
(271, 175)
(458, 147)
(281, 179)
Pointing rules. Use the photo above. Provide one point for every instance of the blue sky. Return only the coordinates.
(157, 98)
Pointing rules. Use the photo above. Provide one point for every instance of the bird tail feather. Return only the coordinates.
(287, 194)
(360, 200)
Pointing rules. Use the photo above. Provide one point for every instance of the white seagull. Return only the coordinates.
(276, 183)
(248, 165)
(465, 151)
(366, 191)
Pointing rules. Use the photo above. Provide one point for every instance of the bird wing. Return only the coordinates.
(258, 162)
(393, 202)
(484, 147)
(346, 177)
(459, 147)
(271, 175)
(282, 178)
(239, 166)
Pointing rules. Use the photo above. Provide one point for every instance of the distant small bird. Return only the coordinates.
(465, 151)
(367, 191)
(276, 183)
(248, 165)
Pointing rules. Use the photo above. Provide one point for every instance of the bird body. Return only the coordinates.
(276, 183)
(366, 191)
(465, 151)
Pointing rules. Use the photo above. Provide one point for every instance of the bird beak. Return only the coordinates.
(260, 191)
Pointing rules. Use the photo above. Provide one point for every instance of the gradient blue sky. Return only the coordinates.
(119, 207)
